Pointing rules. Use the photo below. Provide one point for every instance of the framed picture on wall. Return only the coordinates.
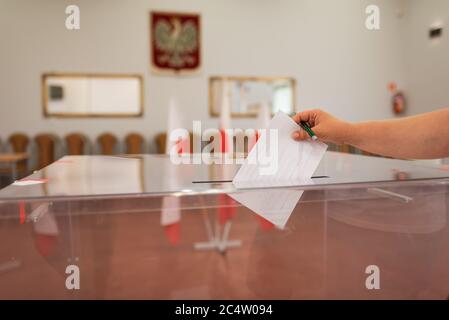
(175, 42)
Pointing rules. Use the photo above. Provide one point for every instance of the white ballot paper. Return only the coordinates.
(277, 160)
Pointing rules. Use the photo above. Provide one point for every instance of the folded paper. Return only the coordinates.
(277, 161)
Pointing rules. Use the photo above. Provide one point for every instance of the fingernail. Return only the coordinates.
(295, 135)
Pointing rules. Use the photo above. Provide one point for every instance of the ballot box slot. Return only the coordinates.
(229, 181)
(212, 181)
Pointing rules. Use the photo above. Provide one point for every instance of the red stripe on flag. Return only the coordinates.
(253, 142)
(22, 212)
(172, 231)
(225, 212)
(45, 244)
(223, 141)
(264, 223)
(183, 145)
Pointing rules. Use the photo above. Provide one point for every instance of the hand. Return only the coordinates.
(325, 126)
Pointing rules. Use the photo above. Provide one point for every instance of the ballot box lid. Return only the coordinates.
(137, 175)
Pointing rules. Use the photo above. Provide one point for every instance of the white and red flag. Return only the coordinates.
(226, 209)
(171, 205)
(262, 122)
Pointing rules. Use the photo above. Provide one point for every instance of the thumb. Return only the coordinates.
(300, 134)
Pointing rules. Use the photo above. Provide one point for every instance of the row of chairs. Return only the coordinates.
(47, 147)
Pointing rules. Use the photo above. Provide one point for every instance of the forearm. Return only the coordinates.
(419, 137)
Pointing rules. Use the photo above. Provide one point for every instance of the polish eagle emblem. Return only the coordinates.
(176, 41)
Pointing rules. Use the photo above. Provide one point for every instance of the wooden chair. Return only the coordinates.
(134, 143)
(45, 143)
(366, 153)
(160, 142)
(345, 148)
(107, 142)
(76, 143)
(19, 143)
(1, 168)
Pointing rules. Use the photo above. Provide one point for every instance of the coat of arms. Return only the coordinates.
(175, 42)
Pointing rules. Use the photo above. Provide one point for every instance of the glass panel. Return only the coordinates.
(211, 247)
(140, 227)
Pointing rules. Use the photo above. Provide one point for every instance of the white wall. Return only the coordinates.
(427, 62)
(339, 65)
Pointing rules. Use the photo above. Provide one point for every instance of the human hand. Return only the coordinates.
(325, 126)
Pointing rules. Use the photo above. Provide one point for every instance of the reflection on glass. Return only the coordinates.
(171, 207)
(46, 229)
(422, 215)
(276, 206)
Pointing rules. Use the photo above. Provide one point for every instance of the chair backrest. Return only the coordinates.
(134, 143)
(46, 149)
(107, 142)
(160, 142)
(76, 143)
(19, 142)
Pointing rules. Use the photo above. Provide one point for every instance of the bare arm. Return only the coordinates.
(424, 136)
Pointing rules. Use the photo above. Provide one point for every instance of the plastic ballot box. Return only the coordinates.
(142, 227)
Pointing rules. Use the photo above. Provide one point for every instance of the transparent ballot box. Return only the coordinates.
(141, 227)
